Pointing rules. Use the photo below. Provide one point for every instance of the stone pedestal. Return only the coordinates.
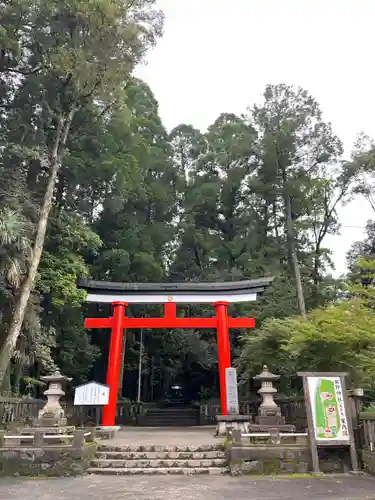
(107, 432)
(226, 423)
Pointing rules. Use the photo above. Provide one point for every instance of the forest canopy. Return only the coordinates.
(93, 185)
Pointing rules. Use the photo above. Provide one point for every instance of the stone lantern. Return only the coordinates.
(52, 414)
(267, 391)
(269, 419)
(269, 413)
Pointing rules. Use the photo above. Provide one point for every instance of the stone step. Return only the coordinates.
(160, 455)
(173, 411)
(160, 420)
(159, 464)
(167, 414)
(171, 417)
(167, 423)
(160, 448)
(158, 471)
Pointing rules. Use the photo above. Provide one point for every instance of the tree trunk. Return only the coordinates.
(291, 236)
(56, 155)
(274, 213)
(17, 378)
(293, 256)
(316, 277)
(316, 273)
(5, 384)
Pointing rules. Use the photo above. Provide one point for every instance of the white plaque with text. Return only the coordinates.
(91, 393)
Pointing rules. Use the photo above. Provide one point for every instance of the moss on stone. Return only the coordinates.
(268, 466)
(368, 459)
(47, 462)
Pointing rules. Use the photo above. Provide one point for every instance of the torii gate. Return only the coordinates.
(120, 295)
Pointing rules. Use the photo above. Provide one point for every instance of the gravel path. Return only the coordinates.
(188, 488)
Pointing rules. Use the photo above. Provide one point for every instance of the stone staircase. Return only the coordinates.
(169, 417)
(153, 460)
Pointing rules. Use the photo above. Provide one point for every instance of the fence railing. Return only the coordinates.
(293, 409)
(24, 411)
(275, 437)
(38, 438)
(367, 430)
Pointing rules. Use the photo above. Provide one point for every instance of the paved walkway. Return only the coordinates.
(189, 488)
(146, 436)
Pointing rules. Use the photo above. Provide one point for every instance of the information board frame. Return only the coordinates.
(343, 414)
(95, 398)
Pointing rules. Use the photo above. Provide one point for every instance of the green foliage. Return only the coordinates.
(338, 337)
(63, 65)
(15, 246)
(370, 409)
(63, 260)
(254, 195)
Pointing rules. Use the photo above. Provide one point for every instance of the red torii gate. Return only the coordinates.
(156, 293)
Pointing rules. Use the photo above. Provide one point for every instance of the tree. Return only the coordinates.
(136, 222)
(338, 337)
(15, 252)
(296, 145)
(71, 54)
(254, 195)
(14, 247)
(213, 213)
(362, 168)
(321, 198)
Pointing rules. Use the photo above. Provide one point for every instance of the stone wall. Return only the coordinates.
(368, 460)
(284, 459)
(268, 460)
(49, 461)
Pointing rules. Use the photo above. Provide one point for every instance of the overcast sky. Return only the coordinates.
(217, 56)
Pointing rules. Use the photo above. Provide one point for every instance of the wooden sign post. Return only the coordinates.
(328, 415)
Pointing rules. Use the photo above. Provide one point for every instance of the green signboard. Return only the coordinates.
(327, 414)
(328, 409)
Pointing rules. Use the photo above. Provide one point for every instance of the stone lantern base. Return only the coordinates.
(227, 423)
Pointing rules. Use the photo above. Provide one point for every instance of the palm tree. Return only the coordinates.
(15, 248)
(15, 252)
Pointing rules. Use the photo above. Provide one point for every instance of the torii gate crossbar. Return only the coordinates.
(118, 322)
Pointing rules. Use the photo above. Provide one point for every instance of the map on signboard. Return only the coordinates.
(232, 391)
(91, 393)
(328, 409)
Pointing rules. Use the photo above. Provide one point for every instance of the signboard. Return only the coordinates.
(91, 393)
(232, 391)
(328, 418)
(328, 409)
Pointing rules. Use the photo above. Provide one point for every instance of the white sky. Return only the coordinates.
(217, 56)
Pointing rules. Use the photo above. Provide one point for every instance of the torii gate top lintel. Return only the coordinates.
(178, 292)
(120, 295)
